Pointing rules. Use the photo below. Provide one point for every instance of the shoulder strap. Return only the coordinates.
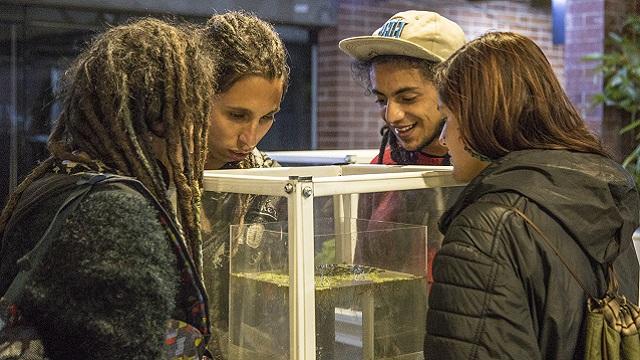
(198, 315)
(194, 293)
(550, 245)
(29, 262)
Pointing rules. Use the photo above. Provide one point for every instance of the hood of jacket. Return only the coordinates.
(591, 196)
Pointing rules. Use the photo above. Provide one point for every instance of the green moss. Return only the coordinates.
(331, 276)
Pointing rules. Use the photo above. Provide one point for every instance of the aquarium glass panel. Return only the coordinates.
(366, 306)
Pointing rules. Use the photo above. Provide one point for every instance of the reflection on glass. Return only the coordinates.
(362, 310)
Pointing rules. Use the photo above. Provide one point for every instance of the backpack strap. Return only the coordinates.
(547, 241)
(555, 250)
(193, 297)
(192, 292)
(28, 263)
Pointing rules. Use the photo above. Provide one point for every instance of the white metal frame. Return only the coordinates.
(300, 185)
(324, 157)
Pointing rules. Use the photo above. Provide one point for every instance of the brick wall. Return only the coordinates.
(587, 23)
(347, 119)
(584, 35)
(613, 120)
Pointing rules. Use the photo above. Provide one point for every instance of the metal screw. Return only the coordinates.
(288, 188)
(307, 191)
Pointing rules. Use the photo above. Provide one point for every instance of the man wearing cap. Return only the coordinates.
(396, 64)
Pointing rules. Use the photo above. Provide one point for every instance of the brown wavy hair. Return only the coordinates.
(506, 97)
(132, 80)
(248, 46)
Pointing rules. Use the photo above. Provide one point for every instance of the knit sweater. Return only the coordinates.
(108, 284)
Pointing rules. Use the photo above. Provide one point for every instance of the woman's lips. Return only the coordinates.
(237, 156)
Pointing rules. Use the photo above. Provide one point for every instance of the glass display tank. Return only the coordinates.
(326, 262)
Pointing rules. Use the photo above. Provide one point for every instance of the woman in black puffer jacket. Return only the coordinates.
(500, 291)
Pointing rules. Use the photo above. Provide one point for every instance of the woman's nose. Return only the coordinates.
(248, 138)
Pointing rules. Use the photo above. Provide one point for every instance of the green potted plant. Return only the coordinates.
(620, 67)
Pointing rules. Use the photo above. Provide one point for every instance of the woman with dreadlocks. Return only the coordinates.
(136, 103)
(255, 63)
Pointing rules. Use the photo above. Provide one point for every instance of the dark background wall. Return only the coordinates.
(40, 37)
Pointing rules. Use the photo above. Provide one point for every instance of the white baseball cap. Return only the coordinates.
(419, 34)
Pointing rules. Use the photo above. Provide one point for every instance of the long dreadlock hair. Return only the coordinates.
(249, 46)
(362, 72)
(137, 79)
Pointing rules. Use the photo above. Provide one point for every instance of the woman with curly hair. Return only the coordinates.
(136, 103)
(252, 81)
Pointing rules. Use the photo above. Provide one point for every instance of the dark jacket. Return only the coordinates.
(500, 292)
(108, 284)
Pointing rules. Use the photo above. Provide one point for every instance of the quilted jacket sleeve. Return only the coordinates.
(478, 305)
(108, 284)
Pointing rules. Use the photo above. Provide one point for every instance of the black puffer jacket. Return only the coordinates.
(499, 291)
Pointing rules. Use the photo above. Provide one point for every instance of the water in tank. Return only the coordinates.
(368, 304)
